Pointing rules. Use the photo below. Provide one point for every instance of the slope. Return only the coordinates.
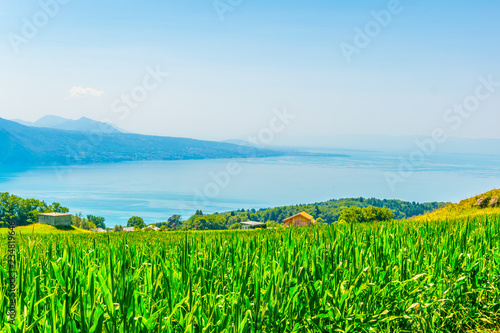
(31, 145)
(465, 208)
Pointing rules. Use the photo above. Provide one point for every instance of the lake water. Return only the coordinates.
(156, 190)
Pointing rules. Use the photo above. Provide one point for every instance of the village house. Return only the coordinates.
(300, 220)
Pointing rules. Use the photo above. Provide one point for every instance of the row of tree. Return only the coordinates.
(348, 210)
(88, 223)
(25, 211)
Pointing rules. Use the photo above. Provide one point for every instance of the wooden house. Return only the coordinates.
(300, 220)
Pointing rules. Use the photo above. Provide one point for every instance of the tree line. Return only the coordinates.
(25, 211)
(348, 210)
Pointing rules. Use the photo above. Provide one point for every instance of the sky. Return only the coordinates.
(231, 69)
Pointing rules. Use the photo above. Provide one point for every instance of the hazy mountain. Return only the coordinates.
(50, 121)
(22, 144)
(82, 124)
(22, 122)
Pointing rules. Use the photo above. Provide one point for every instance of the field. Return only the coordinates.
(388, 277)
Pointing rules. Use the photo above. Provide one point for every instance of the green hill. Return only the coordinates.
(465, 208)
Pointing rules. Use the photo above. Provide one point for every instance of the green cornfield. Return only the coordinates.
(400, 276)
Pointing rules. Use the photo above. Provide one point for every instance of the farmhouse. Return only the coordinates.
(55, 219)
(300, 220)
(252, 225)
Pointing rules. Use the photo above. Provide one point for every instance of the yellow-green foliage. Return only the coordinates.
(400, 276)
(463, 209)
(39, 228)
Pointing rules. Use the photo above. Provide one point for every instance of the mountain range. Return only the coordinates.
(44, 143)
(82, 124)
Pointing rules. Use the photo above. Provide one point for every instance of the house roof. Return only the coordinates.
(54, 214)
(302, 214)
(252, 223)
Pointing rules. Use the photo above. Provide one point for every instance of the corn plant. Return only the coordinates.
(399, 276)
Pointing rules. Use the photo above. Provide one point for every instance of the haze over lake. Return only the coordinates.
(155, 190)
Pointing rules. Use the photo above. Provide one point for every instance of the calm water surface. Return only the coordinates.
(156, 190)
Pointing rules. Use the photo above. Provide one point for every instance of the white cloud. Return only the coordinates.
(77, 92)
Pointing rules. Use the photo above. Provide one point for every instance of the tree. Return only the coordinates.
(97, 220)
(136, 221)
(368, 214)
(235, 226)
(81, 222)
(372, 214)
(77, 220)
(174, 221)
(174, 218)
(57, 208)
(352, 214)
(272, 224)
(117, 228)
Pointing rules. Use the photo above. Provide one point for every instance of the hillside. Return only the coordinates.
(465, 208)
(38, 228)
(38, 145)
(329, 211)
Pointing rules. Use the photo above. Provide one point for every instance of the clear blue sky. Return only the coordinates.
(227, 76)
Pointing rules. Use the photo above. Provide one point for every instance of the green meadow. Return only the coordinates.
(400, 276)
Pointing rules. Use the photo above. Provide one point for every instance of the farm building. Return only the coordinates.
(300, 220)
(252, 225)
(55, 219)
(128, 229)
(152, 228)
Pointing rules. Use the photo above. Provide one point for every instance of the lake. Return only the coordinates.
(156, 190)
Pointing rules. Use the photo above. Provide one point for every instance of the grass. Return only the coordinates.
(39, 228)
(401, 276)
(463, 210)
